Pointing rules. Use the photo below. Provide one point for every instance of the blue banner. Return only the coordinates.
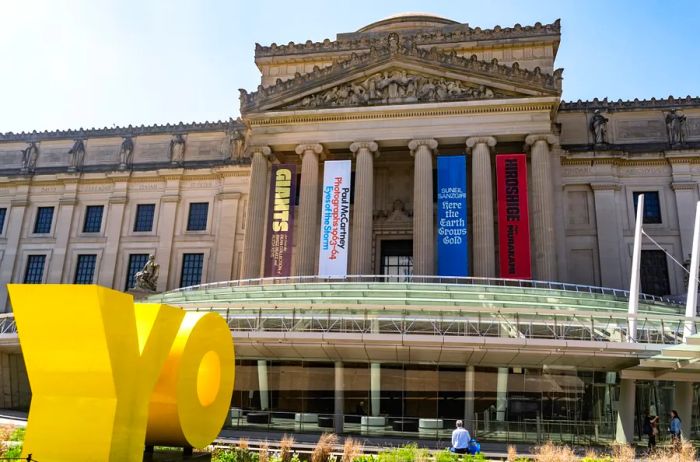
(452, 256)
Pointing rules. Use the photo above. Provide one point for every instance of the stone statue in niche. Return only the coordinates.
(125, 153)
(234, 145)
(77, 153)
(675, 126)
(147, 278)
(599, 127)
(29, 157)
(177, 149)
(394, 87)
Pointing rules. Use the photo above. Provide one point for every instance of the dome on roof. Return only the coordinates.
(408, 21)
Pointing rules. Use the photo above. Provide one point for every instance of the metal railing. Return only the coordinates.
(482, 281)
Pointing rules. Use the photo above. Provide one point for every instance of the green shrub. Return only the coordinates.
(446, 456)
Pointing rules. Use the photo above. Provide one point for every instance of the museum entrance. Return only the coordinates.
(397, 258)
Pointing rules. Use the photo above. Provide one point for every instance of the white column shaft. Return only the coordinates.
(255, 216)
(361, 256)
(482, 213)
(542, 213)
(263, 387)
(375, 388)
(309, 213)
(625, 412)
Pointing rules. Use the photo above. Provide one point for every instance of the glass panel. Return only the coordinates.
(197, 219)
(85, 269)
(93, 219)
(136, 263)
(191, 269)
(35, 269)
(3, 212)
(44, 217)
(144, 217)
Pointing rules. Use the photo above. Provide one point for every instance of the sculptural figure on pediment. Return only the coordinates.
(233, 146)
(675, 126)
(177, 149)
(392, 87)
(125, 153)
(29, 157)
(77, 153)
(599, 127)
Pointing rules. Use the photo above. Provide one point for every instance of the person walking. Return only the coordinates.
(651, 429)
(675, 429)
(460, 439)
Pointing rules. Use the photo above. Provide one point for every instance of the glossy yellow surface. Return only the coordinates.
(94, 358)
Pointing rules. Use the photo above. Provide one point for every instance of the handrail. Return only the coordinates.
(471, 280)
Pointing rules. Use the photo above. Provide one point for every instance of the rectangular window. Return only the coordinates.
(93, 219)
(136, 263)
(652, 206)
(34, 272)
(197, 219)
(191, 269)
(3, 212)
(653, 275)
(44, 217)
(85, 269)
(144, 217)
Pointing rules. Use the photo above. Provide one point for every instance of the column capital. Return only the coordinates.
(263, 149)
(472, 141)
(430, 143)
(530, 140)
(314, 147)
(371, 146)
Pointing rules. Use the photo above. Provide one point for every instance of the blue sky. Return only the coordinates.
(92, 63)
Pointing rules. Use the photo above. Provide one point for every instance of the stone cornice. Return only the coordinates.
(392, 47)
(679, 185)
(616, 161)
(653, 103)
(605, 186)
(398, 111)
(122, 131)
(445, 35)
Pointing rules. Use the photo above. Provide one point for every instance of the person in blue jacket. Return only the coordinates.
(675, 428)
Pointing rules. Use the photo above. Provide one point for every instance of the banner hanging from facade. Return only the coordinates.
(335, 218)
(452, 250)
(513, 223)
(278, 251)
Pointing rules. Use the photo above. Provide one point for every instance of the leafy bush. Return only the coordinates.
(446, 456)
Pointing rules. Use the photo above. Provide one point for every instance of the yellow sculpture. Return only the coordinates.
(98, 365)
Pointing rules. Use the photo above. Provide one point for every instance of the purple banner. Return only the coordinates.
(280, 236)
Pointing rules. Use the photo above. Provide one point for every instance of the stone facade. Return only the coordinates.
(390, 96)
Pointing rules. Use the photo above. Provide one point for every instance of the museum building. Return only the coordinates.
(406, 226)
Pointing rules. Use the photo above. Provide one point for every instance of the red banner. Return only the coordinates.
(513, 223)
(280, 218)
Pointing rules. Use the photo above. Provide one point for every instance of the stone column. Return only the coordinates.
(501, 394)
(309, 209)
(255, 216)
(62, 228)
(339, 401)
(482, 206)
(423, 226)
(263, 387)
(544, 248)
(469, 399)
(116, 207)
(686, 198)
(226, 234)
(609, 235)
(624, 433)
(166, 229)
(361, 257)
(375, 388)
(13, 230)
(683, 403)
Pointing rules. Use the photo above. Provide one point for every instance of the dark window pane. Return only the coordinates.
(44, 217)
(654, 273)
(93, 219)
(3, 212)
(85, 269)
(34, 272)
(652, 206)
(136, 264)
(197, 219)
(144, 217)
(191, 269)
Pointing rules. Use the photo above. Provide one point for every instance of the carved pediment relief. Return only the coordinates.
(408, 73)
(396, 86)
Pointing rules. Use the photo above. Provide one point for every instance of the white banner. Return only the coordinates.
(335, 218)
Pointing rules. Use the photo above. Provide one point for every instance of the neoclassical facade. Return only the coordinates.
(90, 206)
